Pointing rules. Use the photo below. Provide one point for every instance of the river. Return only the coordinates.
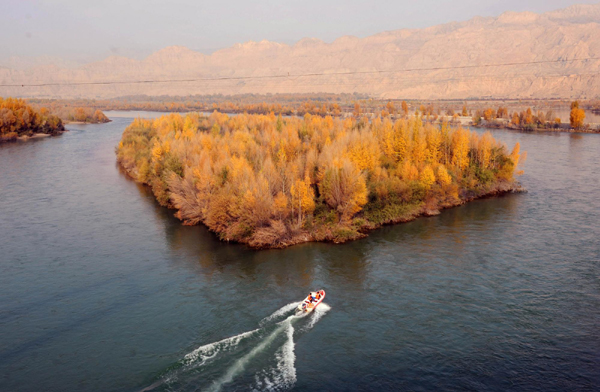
(101, 289)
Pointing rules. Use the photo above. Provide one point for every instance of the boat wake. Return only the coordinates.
(262, 359)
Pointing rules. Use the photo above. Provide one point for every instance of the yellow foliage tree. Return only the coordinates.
(303, 198)
(460, 156)
(577, 117)
(443, 177)
(427, 177)
(344, 188)
(357, 112)
(408, 171)
(363, 151)
(485, 150)
(517, 157)
(280, 205)
(157, 151)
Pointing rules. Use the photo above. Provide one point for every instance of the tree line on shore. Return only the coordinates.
(270, 181)
(528, 119)
(70, 112)
(335, 105)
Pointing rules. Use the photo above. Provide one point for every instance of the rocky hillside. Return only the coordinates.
(349, 64)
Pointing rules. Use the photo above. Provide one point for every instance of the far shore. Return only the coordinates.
(468, 122)
(554, 130)
(83, 122)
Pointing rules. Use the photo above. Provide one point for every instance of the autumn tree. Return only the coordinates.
(344, 189)
(303, 197)
(528, 117)
(460, 147)
(577, 116)
(99, 116)
(443, 176)
(356, 113)
(489, 114)
(404, 108)
(391, 109)
(427, 177)
(80, 115)
(515, 120)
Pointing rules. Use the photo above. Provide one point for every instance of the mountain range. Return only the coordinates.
(516, 55)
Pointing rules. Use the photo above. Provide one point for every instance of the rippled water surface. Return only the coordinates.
(103, 290)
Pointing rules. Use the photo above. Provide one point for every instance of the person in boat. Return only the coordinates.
(318, 296)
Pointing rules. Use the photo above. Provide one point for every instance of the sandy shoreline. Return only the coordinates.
(83, 122)
(25, 138)
(34, 136)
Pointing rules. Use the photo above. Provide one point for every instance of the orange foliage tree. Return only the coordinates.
(577, 116)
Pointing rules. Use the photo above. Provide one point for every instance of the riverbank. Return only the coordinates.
(34, 136)
(323, 231)
(66, 122)
(408, 213)
(467, 121)
(563, 128)
(24, 138)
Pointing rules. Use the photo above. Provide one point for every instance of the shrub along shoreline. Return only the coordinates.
(271, 182)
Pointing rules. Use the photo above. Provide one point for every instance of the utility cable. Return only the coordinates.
(288, 75)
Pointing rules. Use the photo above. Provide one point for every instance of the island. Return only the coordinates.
(270, 182)
(18, 120)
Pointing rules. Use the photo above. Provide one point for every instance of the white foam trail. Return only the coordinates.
(285, 362)
(280, 312)
(318, 313)
(280, 377)
(153, 386)
(208, 351)
(241, 363)
(283, 375)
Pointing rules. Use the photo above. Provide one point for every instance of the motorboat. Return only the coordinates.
(313, 300)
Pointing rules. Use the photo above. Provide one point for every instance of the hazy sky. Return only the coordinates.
(85, 30)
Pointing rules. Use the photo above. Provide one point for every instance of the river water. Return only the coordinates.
(103, 290)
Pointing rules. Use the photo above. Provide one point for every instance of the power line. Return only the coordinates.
(392, 79)
(284, 76)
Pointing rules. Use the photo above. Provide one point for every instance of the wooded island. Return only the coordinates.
(18, 119)
(271, 182)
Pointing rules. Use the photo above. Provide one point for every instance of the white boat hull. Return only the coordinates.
(308, 306)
